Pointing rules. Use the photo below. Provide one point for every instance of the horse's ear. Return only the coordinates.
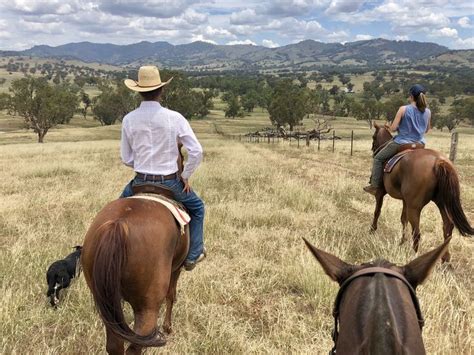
(376, 126)
(334, 267)
(419, 269)
(77, 247)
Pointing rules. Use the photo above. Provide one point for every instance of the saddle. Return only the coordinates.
(164, 196)
(403, 150)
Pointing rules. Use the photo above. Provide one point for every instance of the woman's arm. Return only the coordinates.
(428, 127)
(396, 122)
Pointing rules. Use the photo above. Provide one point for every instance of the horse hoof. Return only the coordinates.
(372, 230)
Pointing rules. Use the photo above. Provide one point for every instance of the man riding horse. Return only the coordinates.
(151, 136)
(412, 123)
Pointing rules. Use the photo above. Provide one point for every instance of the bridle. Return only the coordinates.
(365, 272)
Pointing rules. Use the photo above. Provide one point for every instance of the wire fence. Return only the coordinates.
(298, 140)
(304, 140)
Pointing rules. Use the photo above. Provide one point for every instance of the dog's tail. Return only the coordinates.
(109, 262)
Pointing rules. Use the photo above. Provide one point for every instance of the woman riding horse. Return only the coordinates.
(412, 123)
(421, 176)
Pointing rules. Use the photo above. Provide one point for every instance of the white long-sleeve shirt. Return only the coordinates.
(150, 136)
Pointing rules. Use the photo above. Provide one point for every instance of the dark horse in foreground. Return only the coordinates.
(422, 176)
(133, 251)
(376, 310)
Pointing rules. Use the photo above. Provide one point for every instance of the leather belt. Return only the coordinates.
(156, 178)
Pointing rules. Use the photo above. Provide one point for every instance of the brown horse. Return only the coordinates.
(376, 310)
(422, 176)
(134, 251)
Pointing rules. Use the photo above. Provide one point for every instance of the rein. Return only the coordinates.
(365, 272)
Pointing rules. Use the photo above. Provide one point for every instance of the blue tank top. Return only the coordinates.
(413, 126)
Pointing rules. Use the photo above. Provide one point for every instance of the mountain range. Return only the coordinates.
(206, 56)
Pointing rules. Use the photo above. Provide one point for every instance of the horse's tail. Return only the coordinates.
(449, 196)
(109, 262)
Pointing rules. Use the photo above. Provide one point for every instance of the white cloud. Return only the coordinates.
(5, 35)
(201, 38)
(38, 7)
(466, 43)
(339, 36)
(247, 41)
(217, 32)
(338, 6)
(362, 37)
(465, 22)
(402, 38)
(286, 8)
(445, 32)
(269, 43)
(244, 17)
(149, 8)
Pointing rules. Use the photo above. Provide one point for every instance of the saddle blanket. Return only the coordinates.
(181, 216)
(390, 164)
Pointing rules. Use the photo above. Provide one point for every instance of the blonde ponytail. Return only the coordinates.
(421, 102)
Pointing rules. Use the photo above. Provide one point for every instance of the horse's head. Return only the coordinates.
(380, 137)
(375, 294)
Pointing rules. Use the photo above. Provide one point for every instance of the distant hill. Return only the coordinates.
(460, 58)
(202, 55)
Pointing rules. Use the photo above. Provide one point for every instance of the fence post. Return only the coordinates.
(333, 140)
(454, 146)
(307, 140)
(298, 139)
(319, 141)
(268, 137)
(352, 141)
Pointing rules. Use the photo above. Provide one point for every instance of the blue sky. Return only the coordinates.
(24, 23)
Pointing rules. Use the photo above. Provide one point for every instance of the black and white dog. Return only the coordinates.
(61, 272)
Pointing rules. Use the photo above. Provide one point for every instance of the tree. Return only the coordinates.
(234, 108)
(344, 79)
(180, 96)
(249, 100)
(367, 110)
(391, 107)
(372, 89)
(86, 101)
(113, 103)
(42, 105)
(288, 105)
(4, 101)
(334, 90)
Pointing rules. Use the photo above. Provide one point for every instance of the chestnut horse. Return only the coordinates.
(134, 251)
(422, 176)
(376, 310)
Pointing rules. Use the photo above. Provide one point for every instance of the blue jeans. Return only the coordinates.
(195, 208)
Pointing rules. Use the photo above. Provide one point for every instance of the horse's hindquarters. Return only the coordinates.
(129, 253)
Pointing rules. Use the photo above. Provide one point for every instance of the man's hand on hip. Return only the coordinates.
(187, 186)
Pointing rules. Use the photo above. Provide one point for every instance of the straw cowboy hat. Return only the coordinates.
(148, 80)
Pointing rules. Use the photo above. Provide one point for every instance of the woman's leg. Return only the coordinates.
(376, 179)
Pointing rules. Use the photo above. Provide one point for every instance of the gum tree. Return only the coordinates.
(41, 105)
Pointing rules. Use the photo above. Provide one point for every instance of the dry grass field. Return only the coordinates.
(260, 290)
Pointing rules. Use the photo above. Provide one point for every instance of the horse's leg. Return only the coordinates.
(170, 300)
(145, 323)
(413, 216)
(378, 208)
(114, 344)
(404, 220)
(448, 227)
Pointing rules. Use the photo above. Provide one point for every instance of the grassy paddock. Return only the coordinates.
(260, 290)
